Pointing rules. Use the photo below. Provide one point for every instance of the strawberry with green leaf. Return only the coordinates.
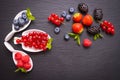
(77, 29)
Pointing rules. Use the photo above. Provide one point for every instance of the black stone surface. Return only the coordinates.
(66, 61)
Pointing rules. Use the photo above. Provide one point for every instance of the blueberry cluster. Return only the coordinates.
(21, 21)
(68, 16)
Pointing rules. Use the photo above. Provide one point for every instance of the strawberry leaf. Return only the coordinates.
(78, 40)
(76, 37)
(29, 15)
(72, 35)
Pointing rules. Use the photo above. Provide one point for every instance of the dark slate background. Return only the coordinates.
(66, 61)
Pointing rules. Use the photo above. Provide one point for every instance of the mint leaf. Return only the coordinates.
(76, 37)
(72, 34)
(97, 36)
(31, 17)
(29, 14)
(101, 35)
(49, 46)
(21, 69)
(78, 40)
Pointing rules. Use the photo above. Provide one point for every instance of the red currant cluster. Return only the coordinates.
(108, 27)
(55, 19)
(37, 40)
(22, 61)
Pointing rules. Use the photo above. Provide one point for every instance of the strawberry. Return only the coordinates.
(27, 66)
(18, 56)
(77, 28)
(19, 64)
(77, 17)
(25, 59)
(87, 43)
(87, 20)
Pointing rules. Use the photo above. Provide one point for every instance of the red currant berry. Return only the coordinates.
(104, 28)
(105, 22)
(57, 23)
(112, 32)
(18, 41)
(56, 16)
(61, 19)
(109, 30)
(53, 14)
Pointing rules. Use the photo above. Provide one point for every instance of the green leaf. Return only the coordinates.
(29, 15)
(101, 35)
(76, 37)
(95, 37)
(71, 34)
(21, 69)
(17, 70)
(78, 40)
(49, 46)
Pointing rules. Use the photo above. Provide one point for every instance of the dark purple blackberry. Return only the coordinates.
(83, 8)
(94, 30)
(98, 14)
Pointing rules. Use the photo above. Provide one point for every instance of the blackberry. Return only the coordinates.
(94, 30)
(83, 8)
(98, 14)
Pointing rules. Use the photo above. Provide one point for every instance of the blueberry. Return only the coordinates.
(15, 22)
(66, 37)
(16, 27)
(64, 14)
(24, 16)
(21, 22)
(57, 30)
(71, 10)
(26, 20)
(68, 17)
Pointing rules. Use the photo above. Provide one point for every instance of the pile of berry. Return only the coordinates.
(82, 19)
(37, 40)
(23, 62)
(20, 21)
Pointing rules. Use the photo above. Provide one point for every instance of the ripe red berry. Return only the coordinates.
(25, 59)
(112, 32)
(27, 66)
(18, 41)
(87, 43)
(56, 16)
(61, 19)
(109, 30)
(18, 56)
(53, 14)
(107, 27)
(19, 64)
(49, 18)
(57, 22)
